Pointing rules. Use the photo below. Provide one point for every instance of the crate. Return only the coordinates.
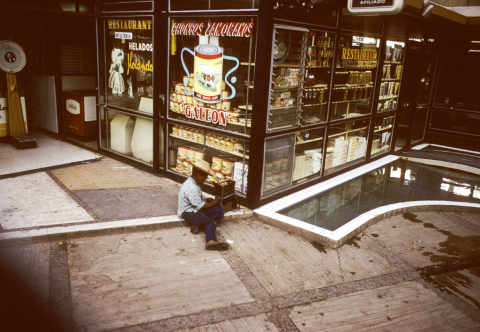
(224, 189)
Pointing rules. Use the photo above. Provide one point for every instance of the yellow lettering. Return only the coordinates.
(134, 24)
(344, 54)
(137, 65)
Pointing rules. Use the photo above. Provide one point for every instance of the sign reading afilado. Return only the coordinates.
(375, 7)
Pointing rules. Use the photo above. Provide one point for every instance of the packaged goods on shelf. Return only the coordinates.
(240, 176)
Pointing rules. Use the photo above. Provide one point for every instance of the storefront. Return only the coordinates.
(276, 98)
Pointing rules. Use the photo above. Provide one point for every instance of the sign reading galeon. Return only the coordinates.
(375, 7)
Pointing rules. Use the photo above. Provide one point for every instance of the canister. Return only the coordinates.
(185, 132)
(189, 100)
(216, 141)
(226, 105)
(277, 166)
(222, 143)
(179, 166)
(200, 137)
(185, 80)
(179, 97)
(186, 167)
(194, 135)
(173, 96)
(224, 93)
(172, 105)
(269, 168)
(228, 145)
(190, 154)
(283, 164)
(174, 130)
(178, 87)
(237, 146)
(199, 155)
(189, 134)
(220, 177)
(210, 179)
(182, 108)
(268, 182)
(234, 116)
(227, 167)
(180, 131)
(176, 107)
(184, 98)
(182, 153)
(217, 164)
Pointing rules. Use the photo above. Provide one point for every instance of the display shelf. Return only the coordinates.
(386, 98)
(310, 140)
(320, 104)
(386, 147)
(281, 107)
(383, 129)
(393, 62)
(315, 67)
(239, 124)
(390, 79)
(347, 132)
(185, 139)
(349, 101)
(350, 85)
(293, 88)
(247, 63)
(286, 65)
(245, 107)
(356, 68)
(213, 147)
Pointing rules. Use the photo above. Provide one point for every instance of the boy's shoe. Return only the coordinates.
(217, 246)
(194, 229)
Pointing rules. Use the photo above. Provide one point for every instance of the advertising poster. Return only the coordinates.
(129, 68)
(211, 69)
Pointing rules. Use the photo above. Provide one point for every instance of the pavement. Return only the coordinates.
(95, 245)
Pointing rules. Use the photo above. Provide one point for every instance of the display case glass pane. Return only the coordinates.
(382, 135)
(128, 63)
(213, 4)
(321, 46)
(391, 76)
(460, 122)
(212, 64)
(227, 156)
(308, 157)
(129, 135)
(354, 76)
(277, 174)
(288, 72)
(346, 145)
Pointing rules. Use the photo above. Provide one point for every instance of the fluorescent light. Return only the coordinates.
(475, 42)
(476, 51)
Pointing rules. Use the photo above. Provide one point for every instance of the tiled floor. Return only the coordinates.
(50, 152)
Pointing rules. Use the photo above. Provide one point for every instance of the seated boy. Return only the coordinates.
(199, 211)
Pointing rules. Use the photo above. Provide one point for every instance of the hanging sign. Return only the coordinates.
(375, 7)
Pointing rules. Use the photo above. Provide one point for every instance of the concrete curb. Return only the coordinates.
(102, 228)
(338, 237)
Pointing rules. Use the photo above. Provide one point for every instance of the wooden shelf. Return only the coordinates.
(320, 104)
(390, 79)
(386, 98)
(282, 65)
(213, 147)
(244, 107)
(310, 140)
(384, 128)
(393, 62)
(239, 124)
(348, 85)
(314, 67)
(347, 132)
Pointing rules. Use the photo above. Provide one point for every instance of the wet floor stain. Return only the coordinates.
(353, 242)
(320, 247)
(374, 235)
(412, 217)
(460, 283)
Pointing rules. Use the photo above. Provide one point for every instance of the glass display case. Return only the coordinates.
(308, 157)
(382, 135)
(346, 144)
(287, 77)
(354, 75)
(391, 76)
(227, 156)
(277, 171)
(129, 135)
(317, 77)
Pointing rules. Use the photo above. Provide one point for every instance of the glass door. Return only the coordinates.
(424, 97)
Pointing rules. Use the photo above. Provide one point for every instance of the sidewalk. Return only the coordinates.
(97, 247)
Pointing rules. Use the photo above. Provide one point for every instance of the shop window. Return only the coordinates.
(391, 76)
(460, 122)
(346, 145)
(129, 135)
(308, 157)
(277, 174)
(213, 4)
(355, 71)
(128, 67)
(212, 64)
(228, 156)
(458, 80)
(382, 136)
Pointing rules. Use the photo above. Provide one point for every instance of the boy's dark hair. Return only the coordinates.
(196, 171)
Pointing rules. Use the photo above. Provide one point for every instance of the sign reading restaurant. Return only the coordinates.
(375, 7)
